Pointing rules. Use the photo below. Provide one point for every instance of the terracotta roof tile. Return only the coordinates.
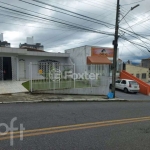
(98, 60)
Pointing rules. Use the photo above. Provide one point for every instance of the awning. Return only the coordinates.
(98, 60)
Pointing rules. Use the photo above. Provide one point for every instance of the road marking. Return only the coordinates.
(84, 124)
(59, 129)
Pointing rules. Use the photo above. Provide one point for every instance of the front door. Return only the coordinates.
(22, 69)
(7, 68)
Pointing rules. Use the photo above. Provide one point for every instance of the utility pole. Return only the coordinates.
(115, 43)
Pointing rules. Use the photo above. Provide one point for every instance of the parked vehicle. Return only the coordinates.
(127, 85)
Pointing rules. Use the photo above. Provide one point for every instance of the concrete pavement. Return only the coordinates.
(36, 97)
(27, 97)
(7, 87)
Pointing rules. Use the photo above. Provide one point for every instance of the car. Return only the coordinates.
(127, 85)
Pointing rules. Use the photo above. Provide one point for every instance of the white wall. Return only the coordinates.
(35, 59)
(79, 57)
(30, 40)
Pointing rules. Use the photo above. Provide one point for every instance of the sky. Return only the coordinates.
(19, 20)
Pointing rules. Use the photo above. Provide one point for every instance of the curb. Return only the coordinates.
(62, 100)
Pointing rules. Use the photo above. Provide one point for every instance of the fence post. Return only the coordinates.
(59, 76)
(31, 76)
(49, 77)
(74, 76)
(53, 76)
(91, 72)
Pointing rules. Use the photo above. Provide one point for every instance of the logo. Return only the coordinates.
(9, 130)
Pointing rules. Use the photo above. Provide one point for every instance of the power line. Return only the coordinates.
(140, 22)
(56, 7)
(127, 48)
(96, 5)
(134, 43)
(70, 25)
(91, 19)
(126, 31)
(37, 12)
(132, 3)
(134, 32)
(83, 42)
(37, 21)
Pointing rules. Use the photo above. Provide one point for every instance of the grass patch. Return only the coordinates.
(26, 85)
(46, 85)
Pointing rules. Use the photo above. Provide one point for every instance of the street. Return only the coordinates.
(131, 96)
(78, 125)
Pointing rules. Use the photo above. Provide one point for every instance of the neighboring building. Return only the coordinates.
(119, 65)
(146, 63)
(3, 43)
(92, 59)
(31, 45)
(129, 62)
(139, 72)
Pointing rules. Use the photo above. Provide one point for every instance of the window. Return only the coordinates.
(133, 83)
(89, 68)
(123, 82)
(118, 81)
(143, 75)
(138, 75)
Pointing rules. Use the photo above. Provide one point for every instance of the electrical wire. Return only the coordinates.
(135, 43)
(134, 32)
(128, 49)
(70, 25)
(37, 12)
(91, 19)
(132, 3)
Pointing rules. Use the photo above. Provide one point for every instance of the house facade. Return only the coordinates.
(138, 71)
(92, 59)
(14, 62)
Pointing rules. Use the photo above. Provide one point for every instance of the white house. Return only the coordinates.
(14, 62)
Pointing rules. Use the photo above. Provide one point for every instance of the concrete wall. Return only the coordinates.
(145, 63)
(79, 57)
(102, 90)
(135, 70)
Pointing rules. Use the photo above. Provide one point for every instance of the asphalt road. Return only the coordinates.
(131, 96)
(78, 125)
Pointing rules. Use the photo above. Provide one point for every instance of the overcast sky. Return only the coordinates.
(57, 37)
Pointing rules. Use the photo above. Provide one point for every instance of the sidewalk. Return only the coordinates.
(26, 97)
(7, 87)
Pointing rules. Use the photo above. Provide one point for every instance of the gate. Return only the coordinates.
(55, 77)
(50, 76)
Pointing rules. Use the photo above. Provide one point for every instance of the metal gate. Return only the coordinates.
(50, 76)
(63, 79)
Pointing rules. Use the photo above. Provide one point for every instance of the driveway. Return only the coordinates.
(131, 96)
(7, 87)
